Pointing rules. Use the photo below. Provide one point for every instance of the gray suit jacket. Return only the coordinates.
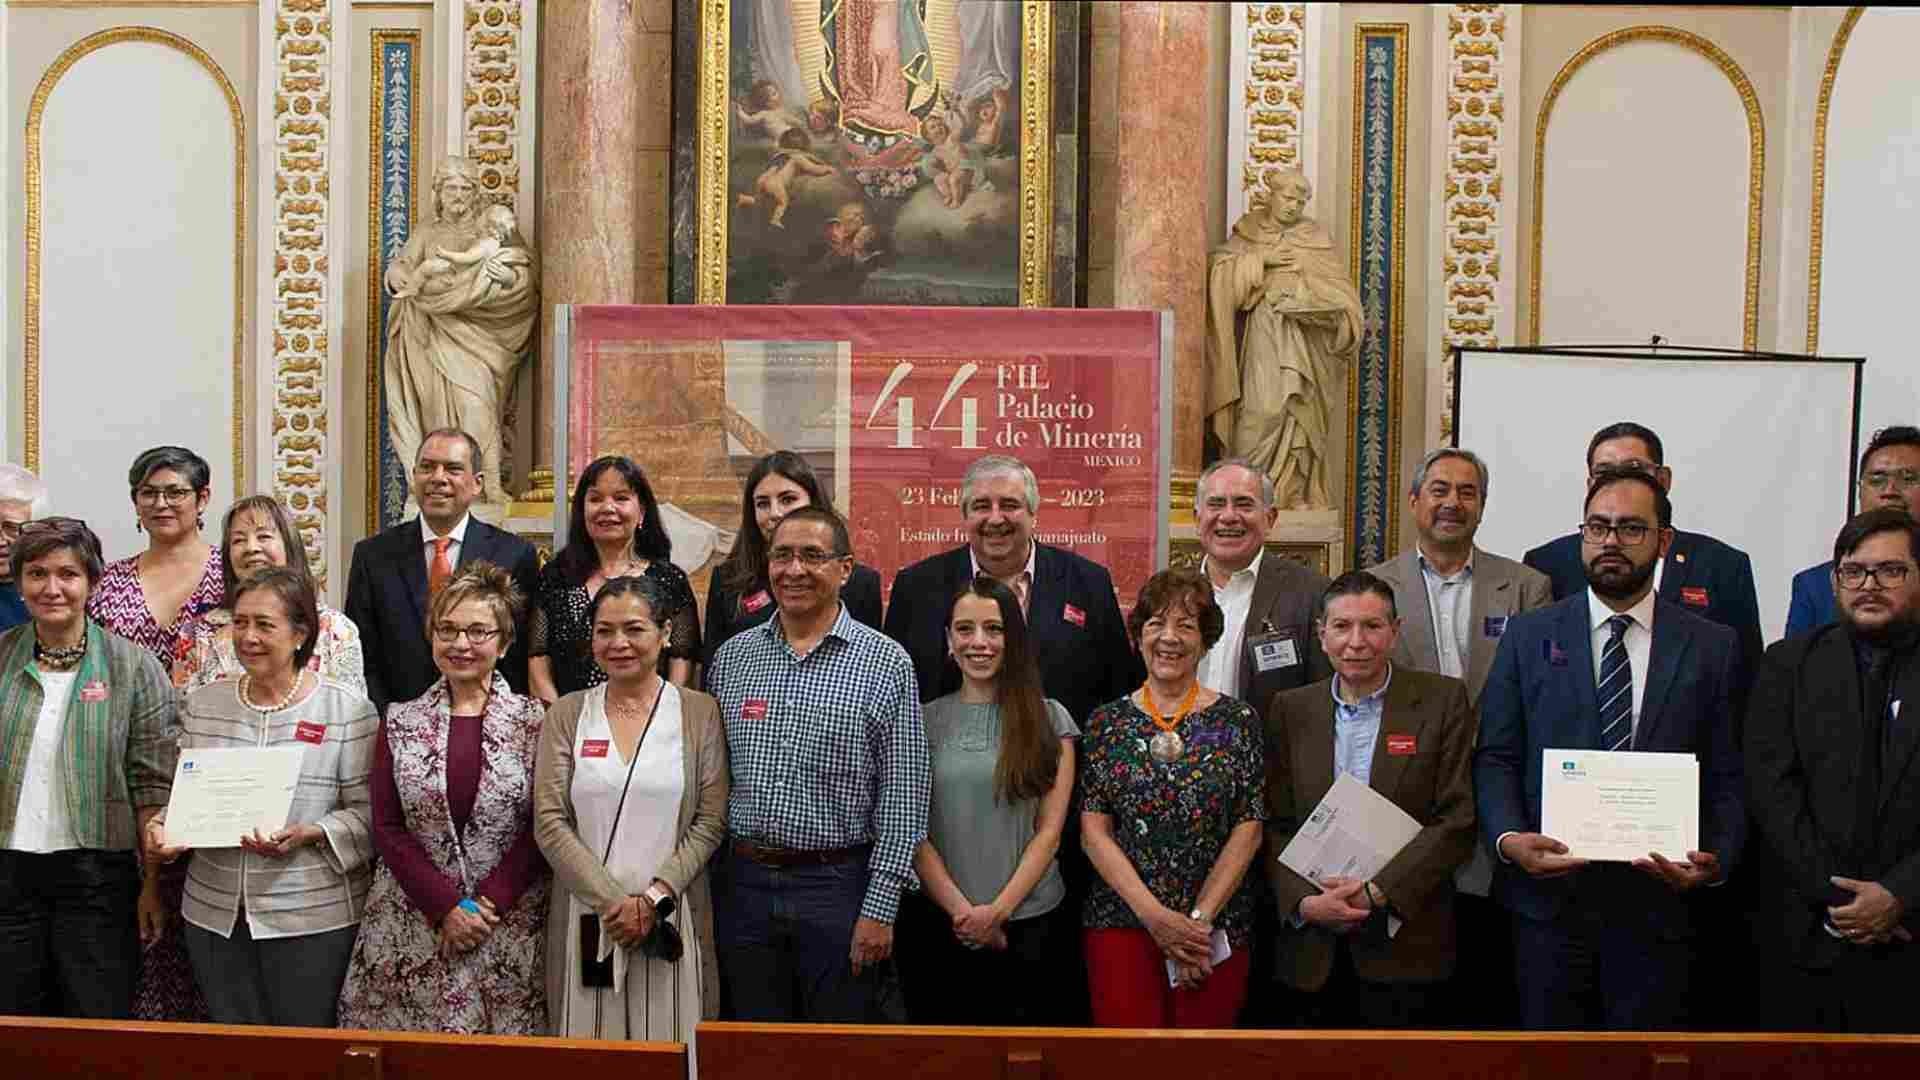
(1502, 588)
(1286, 601)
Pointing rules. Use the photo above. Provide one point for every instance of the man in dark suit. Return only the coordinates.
(1408, 735)
(1269, 644)
(1457, 601)
(1889, 476)
(1613, 668)
(1073, 618)
(389, 586)
(1831, 772)
(1709, 578)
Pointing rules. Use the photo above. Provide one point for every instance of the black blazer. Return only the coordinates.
(727, 615)
(1803, 748)
(1084, 661)
(387, 601)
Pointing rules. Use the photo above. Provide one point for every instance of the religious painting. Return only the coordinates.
(871, 152)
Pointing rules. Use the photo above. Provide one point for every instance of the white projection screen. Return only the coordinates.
(1762, 447)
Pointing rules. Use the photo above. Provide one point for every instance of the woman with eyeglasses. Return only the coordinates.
(453, 936)
(85, 759)
(259, 534)
(155, 599)
(742, 597)
(630, 798)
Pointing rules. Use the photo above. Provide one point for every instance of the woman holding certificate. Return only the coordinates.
(271, 919)
(456, 922)
(630, 798)
(1171, 817)
(84, 760)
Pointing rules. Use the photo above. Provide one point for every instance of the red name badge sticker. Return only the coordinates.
(1074, 615)
(753, 709)
(95, 690)
(1693, 596)
(308, 732)
(1401, 745)
(593, 748)
(757, 601)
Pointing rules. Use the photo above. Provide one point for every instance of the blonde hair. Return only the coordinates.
(483, 581)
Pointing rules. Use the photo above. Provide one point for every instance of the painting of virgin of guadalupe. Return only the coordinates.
(875, 151)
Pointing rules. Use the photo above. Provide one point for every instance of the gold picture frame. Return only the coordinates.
(714, 113)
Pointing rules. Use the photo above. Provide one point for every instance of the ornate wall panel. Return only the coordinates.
(1380, 74)
(1267, 97)
(491, 109)
(393, 203)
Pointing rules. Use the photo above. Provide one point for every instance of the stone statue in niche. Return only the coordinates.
(1283, 323)
(466, 300)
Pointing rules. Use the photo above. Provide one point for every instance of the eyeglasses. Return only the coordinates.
(1905, 479)
(172, 496)
(1887, 575)
(447, 633)
(812, 558)
(1630, 533)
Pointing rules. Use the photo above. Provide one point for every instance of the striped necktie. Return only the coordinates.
(1615, 689)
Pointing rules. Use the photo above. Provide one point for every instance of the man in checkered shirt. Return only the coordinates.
(830, 787)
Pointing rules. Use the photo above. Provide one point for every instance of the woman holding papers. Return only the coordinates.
(271, 918)
(1368, 952)
(1171, 819)
(630, 798)
(455, 930)
(978, 947)
(84, 760)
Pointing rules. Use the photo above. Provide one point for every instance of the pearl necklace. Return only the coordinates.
(246, 696)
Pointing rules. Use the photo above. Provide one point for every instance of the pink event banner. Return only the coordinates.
(890, 405)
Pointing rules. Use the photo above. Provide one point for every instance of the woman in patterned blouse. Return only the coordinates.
(1173, 804)
(154, 599)
(616, 531)
(259, 533)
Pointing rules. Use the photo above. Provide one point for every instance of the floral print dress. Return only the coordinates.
(209, 656)
(1172, 819)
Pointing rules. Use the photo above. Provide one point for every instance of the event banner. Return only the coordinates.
(890, 405)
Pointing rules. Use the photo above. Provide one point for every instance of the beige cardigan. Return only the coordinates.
(703, 824)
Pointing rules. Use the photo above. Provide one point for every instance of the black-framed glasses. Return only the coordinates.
(448, 633)
(1878, 479)
(1631, 533)
(153, 496)
(1887, 575)
(812, 558)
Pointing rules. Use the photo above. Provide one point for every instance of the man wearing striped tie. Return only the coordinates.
(1608, 945)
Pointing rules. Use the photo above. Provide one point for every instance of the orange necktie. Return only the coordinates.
(441, 570)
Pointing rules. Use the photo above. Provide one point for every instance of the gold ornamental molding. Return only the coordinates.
(1817, 231)
(1756, 154)
(36, 112)
(490, 109)
(1036, 153)
(1272, 112)
(1473, 191)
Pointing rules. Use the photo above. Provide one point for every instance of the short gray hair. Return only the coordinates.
(1266, 481)
(996, 465)
(1445, 452)
(19, 485)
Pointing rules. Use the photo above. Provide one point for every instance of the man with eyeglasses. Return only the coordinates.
(1834, 783)
(1615, 667)
(1889, 476)
(21, 494)
(831, 781)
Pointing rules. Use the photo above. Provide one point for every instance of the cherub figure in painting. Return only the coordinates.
(763, 111)
(949, 163)
(851, 236)
(792, 161)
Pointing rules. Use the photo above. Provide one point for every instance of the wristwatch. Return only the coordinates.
(1198, 915)
(662, 902)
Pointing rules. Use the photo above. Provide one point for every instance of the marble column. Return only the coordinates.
(1160, 198)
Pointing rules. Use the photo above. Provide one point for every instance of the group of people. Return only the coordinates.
(1001, 801)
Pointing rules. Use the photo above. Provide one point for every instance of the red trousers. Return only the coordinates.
(1127, 974)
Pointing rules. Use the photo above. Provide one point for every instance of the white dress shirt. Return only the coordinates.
(1220, 668)
(40, 823)
(1450, 599)
(1638, 641)
(458, 536)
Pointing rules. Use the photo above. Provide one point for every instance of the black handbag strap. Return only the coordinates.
(631, 762)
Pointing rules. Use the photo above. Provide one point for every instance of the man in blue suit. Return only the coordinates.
(1889, 476)
(1613, 667)
(1707, 577)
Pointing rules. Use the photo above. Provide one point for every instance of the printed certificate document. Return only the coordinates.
(1353, 833)
(1621, 805)
(220, 795)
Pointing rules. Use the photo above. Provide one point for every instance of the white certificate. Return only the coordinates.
(221, 795)
(1354, 833)
(1618, 806)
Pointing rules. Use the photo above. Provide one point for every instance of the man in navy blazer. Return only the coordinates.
(1704, 575)
(1073, 618)
(1615, 667)
(1889, 476)
(387, 594)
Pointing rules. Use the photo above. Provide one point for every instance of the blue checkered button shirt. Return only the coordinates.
(839, 757)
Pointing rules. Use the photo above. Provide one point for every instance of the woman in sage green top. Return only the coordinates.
(981, 946)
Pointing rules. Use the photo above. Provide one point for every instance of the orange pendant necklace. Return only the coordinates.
(1167, 745)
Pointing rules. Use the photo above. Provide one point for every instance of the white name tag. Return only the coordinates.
(1269, 655)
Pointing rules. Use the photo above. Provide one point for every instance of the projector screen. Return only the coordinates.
(1762, 450)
